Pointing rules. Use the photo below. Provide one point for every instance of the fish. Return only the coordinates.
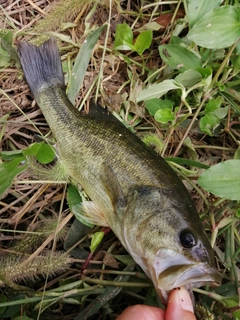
(131, 188)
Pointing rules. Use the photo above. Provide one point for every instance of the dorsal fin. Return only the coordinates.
(96, 111)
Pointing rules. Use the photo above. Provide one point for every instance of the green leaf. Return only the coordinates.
(7, 45)
(96, 239)
(237, 154)
(67, 25)
(238, 212)
(9, 170)
(3, 299)
(153, 106)
(207, 76)
(187, 162)
(213, 105)
(164, 115)
(73, 196)
(12, 306)
(4, 57)
(223, 180)
(157, 90)
(218, 29)
(45, 154)
(179, 57)
(189, 78)
(221, 113)
(9, 155)
(198, 8)
(33, 149)
(41, 150)
(235, 59)
(236, 314)
(205, 72)
(209, 123)
(143, 41)
(123, 37)
(81, 63)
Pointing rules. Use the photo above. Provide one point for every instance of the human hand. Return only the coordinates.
(179, 307)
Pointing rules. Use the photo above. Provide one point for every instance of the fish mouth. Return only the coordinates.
(171, 270)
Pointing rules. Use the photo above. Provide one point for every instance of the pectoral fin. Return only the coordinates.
(113, 187)
(91, 213)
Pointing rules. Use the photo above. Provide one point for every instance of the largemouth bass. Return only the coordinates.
(132, 189)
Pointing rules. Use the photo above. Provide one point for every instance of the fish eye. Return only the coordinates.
(187, 239)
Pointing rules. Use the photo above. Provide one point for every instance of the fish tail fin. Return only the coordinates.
(41, 65)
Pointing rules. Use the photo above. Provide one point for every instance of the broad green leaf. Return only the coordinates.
(198, 8)
(209, 123)
(223, 180)
(213, 104)
(207, 77)
(189, 78)
(205, 72)
(155, 104)
(235, 59)
(33, 149)
(81, 63)
(165, 104)
(157, 90)
(218, 29)
(96, 239)
(164, 115)
(12, 306)
(73, 196)
(45, 154)
(4, 57)
(178, 57)
(222, 112)
(123, 37)
(9, 170)
(143, 41)
(236, 314)
(41, 150)
(238, 216)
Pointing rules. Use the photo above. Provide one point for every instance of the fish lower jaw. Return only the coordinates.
(170, 270)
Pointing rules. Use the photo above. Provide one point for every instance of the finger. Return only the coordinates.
(180, 305)
(141, 312)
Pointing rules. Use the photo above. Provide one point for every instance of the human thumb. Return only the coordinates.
(179, 305)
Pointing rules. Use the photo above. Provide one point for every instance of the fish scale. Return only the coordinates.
(132, 188)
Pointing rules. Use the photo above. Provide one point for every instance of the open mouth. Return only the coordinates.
(176, 271)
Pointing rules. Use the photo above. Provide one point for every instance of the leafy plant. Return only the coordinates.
(124, 39)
